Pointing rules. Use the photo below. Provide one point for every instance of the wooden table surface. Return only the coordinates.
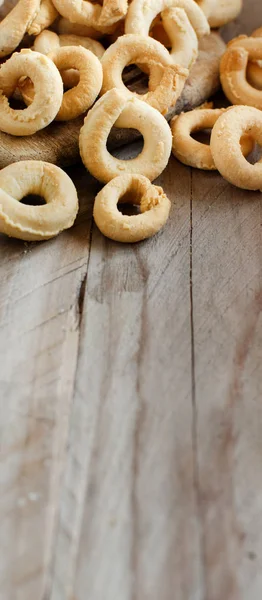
(131, 402)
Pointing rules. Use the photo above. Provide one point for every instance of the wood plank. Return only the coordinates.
(40, 299)
(227, 333)
(227, 304)
(128, 518)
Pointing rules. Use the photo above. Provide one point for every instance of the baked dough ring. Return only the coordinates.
(254, 69)
(182, 36)
(36, 222)
(77, 100)
(48, 92)
(233, 68)
(224, 11)
(45, 17)
(142, 13)
(136, 189)
(49, 41)
(226, 150)
(15, 24)
(207, 6)
(64, 26)
(83, 12)
(190, 151)
(134, 49)
(114, 109)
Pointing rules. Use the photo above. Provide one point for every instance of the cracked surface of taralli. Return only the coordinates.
(141, 15)
(77, 100)
(83, 12)
(48, 92)
(114, 109)
(15, 24)
(132, 189)
(166, 80)
(223, 12)
(48, 41)
(192, 152)
(45, 17)
(233, 71)
(226, 149)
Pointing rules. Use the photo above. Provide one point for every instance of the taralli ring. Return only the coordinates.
(190, 151)
(233, 68)
(141, 15)
(130, 49)
(85, 12)
(254, 69)
(48, 92)
(224, 11)
(226, 149)
(207, 6)
(134, 189)
(36, 222)
(45, 17)
(78, 99)
(64, 26)
(48, 41)
(114, 109)
(15, 24)
(183, 38)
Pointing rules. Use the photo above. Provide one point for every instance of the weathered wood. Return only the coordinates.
(40, 309)
(131, 403)
(58, 143)
(227, 325)
(129, 481)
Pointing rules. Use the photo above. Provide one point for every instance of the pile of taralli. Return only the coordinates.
(161, 37)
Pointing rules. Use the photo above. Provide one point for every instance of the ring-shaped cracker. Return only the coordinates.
(44, 18)
(48, 92)
(48, 41)
(254, 69)
(77, 100)
(226, 148)
(207, 6)
(15, 24)
(84, 12)
(138, 49)
(64, 26)
(182, 36)
(133, 189)
(224, 11)
(36, 222)
(114, 109)
(192, 152)
(142, 13)
(233, 67)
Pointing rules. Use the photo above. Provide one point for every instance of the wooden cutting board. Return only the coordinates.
(58, 143)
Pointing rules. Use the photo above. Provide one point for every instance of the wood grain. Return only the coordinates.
(58, 143)
(130, 398)
(227, 305)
